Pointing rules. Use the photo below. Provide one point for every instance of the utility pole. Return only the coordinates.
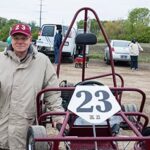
(40, 23)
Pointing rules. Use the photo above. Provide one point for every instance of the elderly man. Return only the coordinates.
(23, 73)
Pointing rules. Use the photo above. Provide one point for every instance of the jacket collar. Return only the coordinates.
(10, 53)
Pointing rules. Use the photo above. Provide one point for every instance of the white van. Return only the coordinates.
(45, 41)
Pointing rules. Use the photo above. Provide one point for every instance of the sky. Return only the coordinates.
(63, 11)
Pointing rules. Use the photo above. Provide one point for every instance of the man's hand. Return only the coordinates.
(59, 126)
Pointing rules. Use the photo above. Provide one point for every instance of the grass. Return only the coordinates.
(2, 46)
(144, 57)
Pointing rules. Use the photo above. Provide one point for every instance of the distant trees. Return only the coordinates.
(5, 26)
(137, 25)
(35, 30)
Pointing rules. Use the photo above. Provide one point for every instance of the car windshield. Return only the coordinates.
(48, 31)
(120, 44)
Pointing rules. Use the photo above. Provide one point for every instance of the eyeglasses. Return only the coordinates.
(22, 38)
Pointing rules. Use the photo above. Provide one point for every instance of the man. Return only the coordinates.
(57, 43)
(134, 48)
(23, 73)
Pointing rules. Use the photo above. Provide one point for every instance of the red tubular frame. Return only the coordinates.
(138, 137)
(134, 127)
(86, 10)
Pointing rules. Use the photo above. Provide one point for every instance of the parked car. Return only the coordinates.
(120, 51)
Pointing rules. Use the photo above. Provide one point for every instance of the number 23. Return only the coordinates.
(88, 98)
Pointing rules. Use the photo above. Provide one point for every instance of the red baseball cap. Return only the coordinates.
(21, 28)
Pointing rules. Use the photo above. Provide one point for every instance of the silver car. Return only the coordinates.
(120, 51)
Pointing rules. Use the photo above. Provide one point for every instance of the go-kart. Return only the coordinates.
(96, 116)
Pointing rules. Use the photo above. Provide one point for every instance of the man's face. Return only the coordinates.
(21, 42)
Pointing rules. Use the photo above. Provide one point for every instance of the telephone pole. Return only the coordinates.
(40, 19)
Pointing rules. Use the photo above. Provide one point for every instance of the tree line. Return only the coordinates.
(137, 25)
(5, 27)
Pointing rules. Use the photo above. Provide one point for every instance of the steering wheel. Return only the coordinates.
(87, 82)
(92, 82)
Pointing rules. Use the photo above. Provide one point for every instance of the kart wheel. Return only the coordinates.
(146, 131)
(130, 108)
(36, 132)
(142, 144)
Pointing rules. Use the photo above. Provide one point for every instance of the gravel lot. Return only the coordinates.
(133, 79)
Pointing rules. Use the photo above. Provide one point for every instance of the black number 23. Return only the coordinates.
(88, 98)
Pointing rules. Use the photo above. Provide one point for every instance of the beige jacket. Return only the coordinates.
(21, 81)
(135, 48)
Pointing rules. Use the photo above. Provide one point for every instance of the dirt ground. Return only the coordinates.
(132, 79)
